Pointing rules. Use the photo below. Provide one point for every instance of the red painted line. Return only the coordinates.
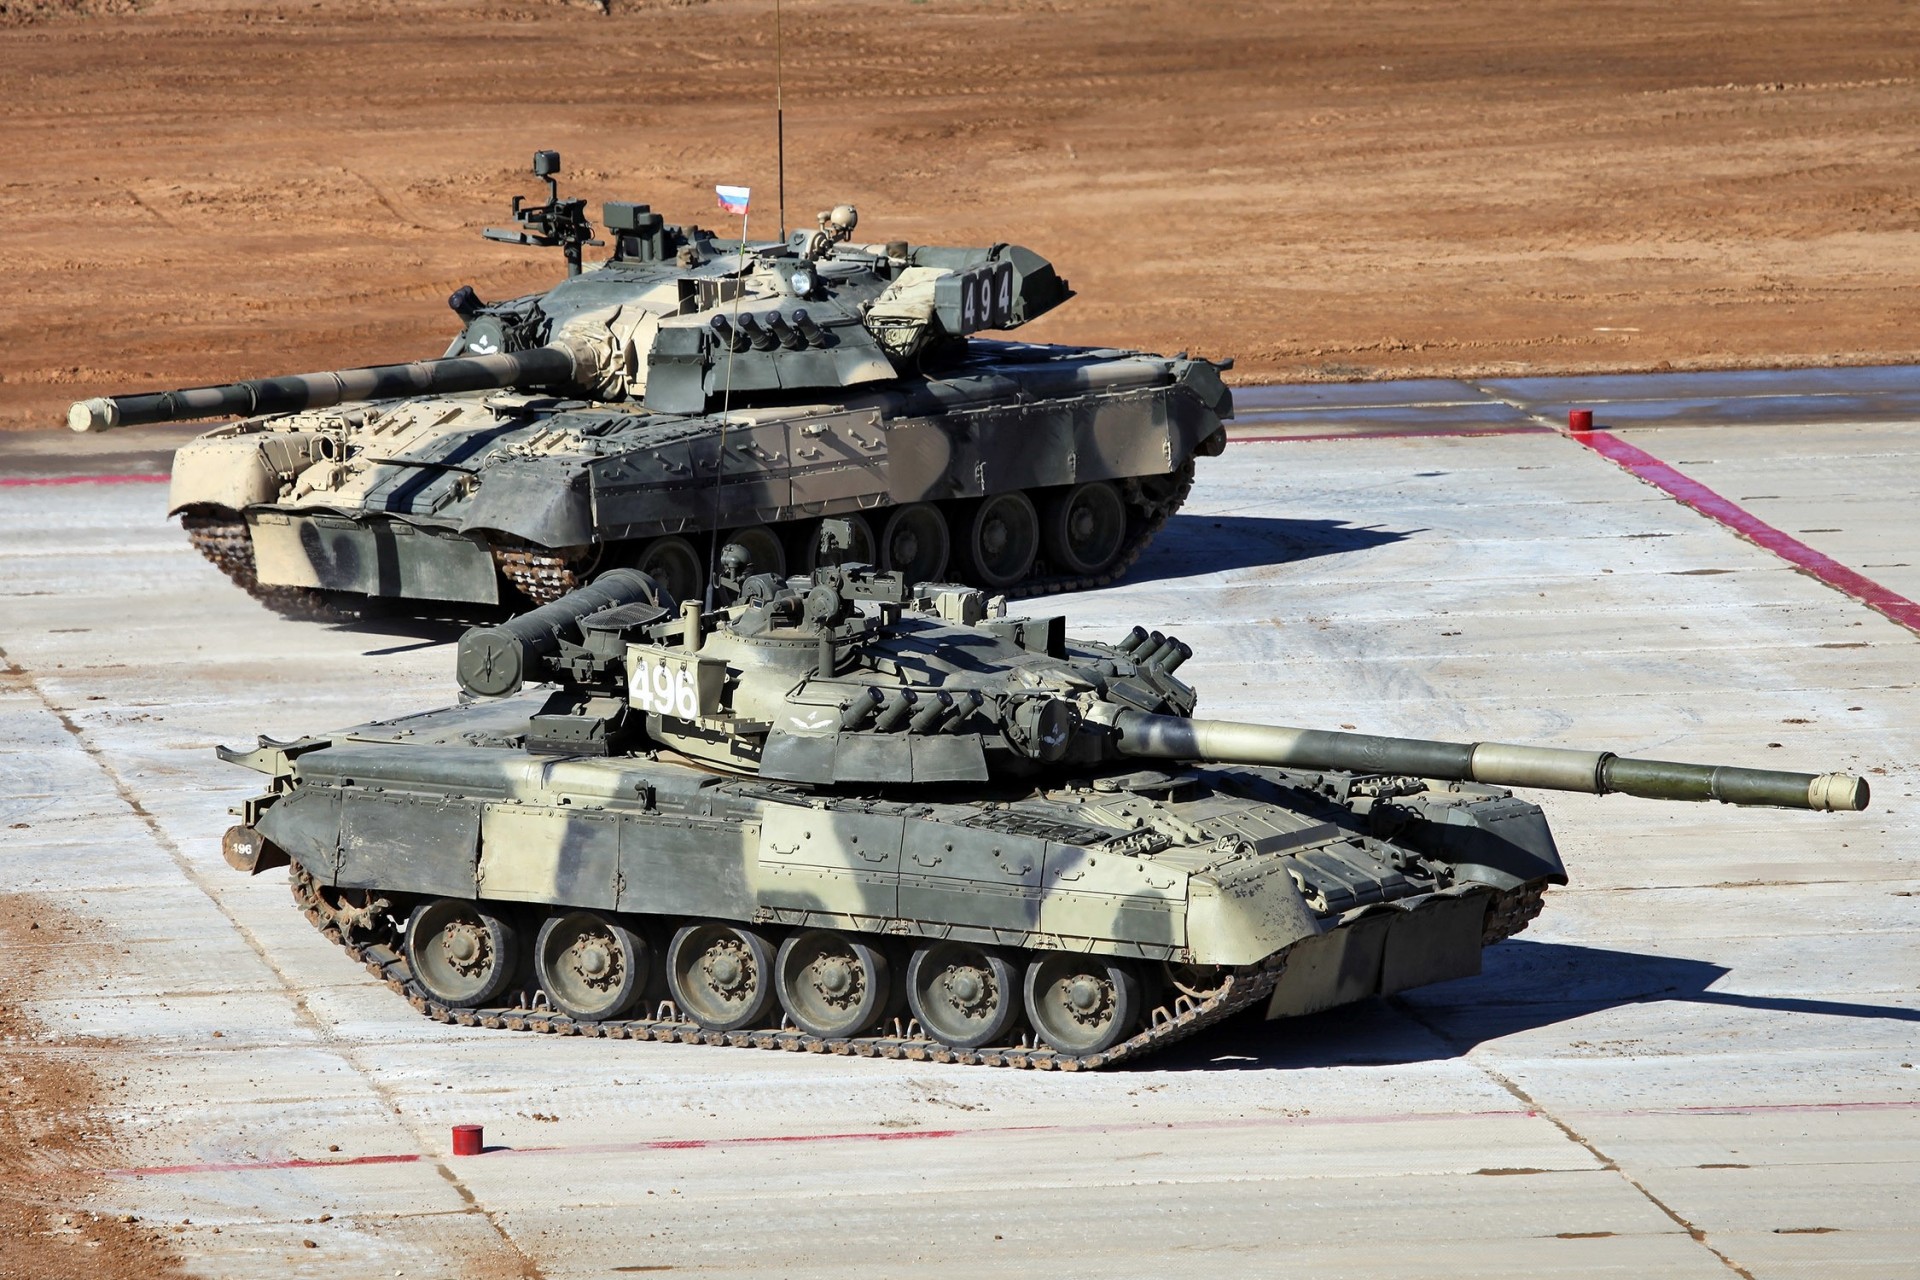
(248, 1166)
(23, 481)
(1005, 1131)
(1389, 434)
(1644, 466)
(701, 1144)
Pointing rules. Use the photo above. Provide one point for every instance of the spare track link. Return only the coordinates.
(544, 577)
(229, 545)
(1242, 990)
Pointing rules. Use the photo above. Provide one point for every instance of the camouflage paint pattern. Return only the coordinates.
(683, 385)
(839, 752)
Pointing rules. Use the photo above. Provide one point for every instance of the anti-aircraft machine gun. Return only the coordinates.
(846, 812)
(689, 389)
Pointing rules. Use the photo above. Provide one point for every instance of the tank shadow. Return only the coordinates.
(1188, 545)
(407, 632)
(1191, 544)
(1525, 985)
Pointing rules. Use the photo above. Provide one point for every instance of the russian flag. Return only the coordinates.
(733, 199)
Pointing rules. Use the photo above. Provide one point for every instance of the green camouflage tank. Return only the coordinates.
(844, 813)
(687, 391)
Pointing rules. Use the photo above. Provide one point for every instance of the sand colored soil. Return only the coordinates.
(55, 1130)
(201, 189)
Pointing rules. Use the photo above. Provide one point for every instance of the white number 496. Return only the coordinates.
(664, 688)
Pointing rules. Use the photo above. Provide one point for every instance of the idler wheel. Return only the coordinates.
(831, 985)
(1000, 539)
(915, 542)
(590, 967)
(674, 564)
(1082, 1004)
(1084, 528)
(462, 953)
(763, 545)
(721, 976)
(965, 996)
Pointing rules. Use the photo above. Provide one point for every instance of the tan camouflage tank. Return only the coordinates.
(688, 391)
(845, 814)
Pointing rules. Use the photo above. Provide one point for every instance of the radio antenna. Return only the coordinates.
(779, 125)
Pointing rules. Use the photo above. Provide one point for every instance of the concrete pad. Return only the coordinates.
(1744, 384)
(1844, 492)
(1475, 417)
(1716, 987)
(1406, 391)
(1742, 411)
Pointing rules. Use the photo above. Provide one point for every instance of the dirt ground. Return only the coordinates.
(54, 1131)
(205, 189)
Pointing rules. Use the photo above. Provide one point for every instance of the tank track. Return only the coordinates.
(1243, 989)
(1512, 911)
(544, 577)
(228, 544)
(540, 576)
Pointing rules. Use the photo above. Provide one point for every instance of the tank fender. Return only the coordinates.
(543, 500)
(1202, 377)
(1199, 410)
(241, 469)
(1248, 917)
(1489, 837)
(306, 826)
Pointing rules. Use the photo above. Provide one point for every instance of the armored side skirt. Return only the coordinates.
(372, 557)
(1390, 947)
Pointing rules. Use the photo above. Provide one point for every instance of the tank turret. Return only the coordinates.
(797, 682)
(816, 312)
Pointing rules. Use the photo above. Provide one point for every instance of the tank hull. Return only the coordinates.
(497, 497)
(1223, 889)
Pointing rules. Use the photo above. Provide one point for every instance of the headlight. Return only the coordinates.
(801, 281)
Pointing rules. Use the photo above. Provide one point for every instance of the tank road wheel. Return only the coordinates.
(590, 967)
(915, 542)
(1082, 1004)
(965, 996)
(999, 540)
(721, 976)
(674, 564)
(462, 953)
(1084, 528)
(861, 552)
(831, 985)
(764, 545)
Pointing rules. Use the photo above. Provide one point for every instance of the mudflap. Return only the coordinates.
(1395, 947)
(372, 557)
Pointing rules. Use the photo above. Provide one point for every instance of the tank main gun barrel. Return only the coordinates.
(1493, 763)
(497, 660)
(549, 366)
